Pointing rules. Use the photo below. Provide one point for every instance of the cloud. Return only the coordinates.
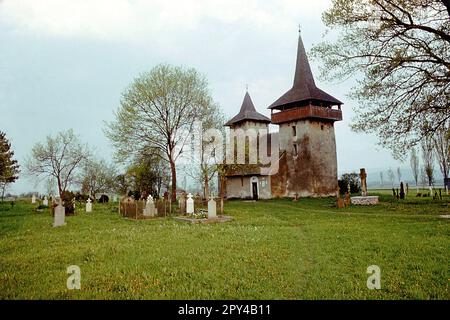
(131, 19)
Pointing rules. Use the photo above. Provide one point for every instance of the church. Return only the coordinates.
(307, 163)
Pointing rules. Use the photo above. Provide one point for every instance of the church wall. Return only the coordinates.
(311, 171)
(241, 187)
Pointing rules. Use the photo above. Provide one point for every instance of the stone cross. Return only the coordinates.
(149, 207)
(60, 214)
(45, 202)
(212, 208)
(89, 205)
(189, 204)
(33, 199)
(363, 176)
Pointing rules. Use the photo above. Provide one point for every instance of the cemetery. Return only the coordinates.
(271, 249)
(141, 177)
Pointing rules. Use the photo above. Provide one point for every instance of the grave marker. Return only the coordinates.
(89, 205)
(190, 204)
(212, 208)
(60, 214)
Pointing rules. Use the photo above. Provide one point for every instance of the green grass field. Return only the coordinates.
(275, 249)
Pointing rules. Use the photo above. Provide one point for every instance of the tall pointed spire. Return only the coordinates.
(303, 77)
(304, 87)
(248, 112)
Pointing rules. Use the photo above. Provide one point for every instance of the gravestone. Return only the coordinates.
(189, 204)
(212, 208)
(150, 209)
(45, 202)
(89, 205)
(347, 199)
(33, 199)
(60, 214)
(363, 176)
(182, 203)
(340, 202)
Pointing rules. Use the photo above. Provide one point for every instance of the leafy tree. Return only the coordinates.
(400, 51)
(97, 176)
(9, 168)
(158, 111)
(59, 157)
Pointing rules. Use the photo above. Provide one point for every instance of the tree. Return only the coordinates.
(148, 173)
(9, 167)
(400, 51)
(441, 141)
(391, 176)
(428, 159)
(399, 175)
(381, 179)
(205, 165)
(59, 157)
(414, 162)
(351, 179)
(97, 176)
(158, 111)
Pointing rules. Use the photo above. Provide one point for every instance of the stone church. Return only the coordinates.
(307, 147)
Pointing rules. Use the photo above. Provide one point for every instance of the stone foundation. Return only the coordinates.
(364, 201)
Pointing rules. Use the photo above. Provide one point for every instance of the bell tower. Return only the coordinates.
(306, 115)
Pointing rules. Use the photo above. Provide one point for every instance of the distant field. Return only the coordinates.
(275, 249)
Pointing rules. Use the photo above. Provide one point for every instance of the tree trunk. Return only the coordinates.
(60, 190)
(206, 180)
(3, 191)
(173, 172)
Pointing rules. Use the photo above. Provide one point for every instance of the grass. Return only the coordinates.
(275, 249)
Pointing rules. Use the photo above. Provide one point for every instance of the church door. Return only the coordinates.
(255, 190)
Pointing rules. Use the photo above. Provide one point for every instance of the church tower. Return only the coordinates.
(246, 181)
(306, 115)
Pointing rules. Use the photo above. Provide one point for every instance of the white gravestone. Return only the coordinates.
(33, 199)
(45, 202)
(89, 205)
(149, 207)
(189, 204)
(60, 214)
(212, 208)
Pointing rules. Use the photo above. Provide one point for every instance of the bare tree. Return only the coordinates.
(442, 149)
(59, 157)
(158, 111)
(414, 162)
(401, 48)
(391, 176)
(399, 175)
(428, 160)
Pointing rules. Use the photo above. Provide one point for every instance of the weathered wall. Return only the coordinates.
(313, 172)
(235, 189)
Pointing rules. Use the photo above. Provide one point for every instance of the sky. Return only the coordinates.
(65, 63)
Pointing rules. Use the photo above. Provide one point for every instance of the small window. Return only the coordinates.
(294, 130)
(242, 181)
(321, 127)
(295, 150)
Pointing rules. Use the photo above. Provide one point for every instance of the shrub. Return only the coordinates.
(353, 180)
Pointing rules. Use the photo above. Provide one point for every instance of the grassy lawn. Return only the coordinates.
(275, 249)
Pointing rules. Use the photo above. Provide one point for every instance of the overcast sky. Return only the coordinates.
(64, 63)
